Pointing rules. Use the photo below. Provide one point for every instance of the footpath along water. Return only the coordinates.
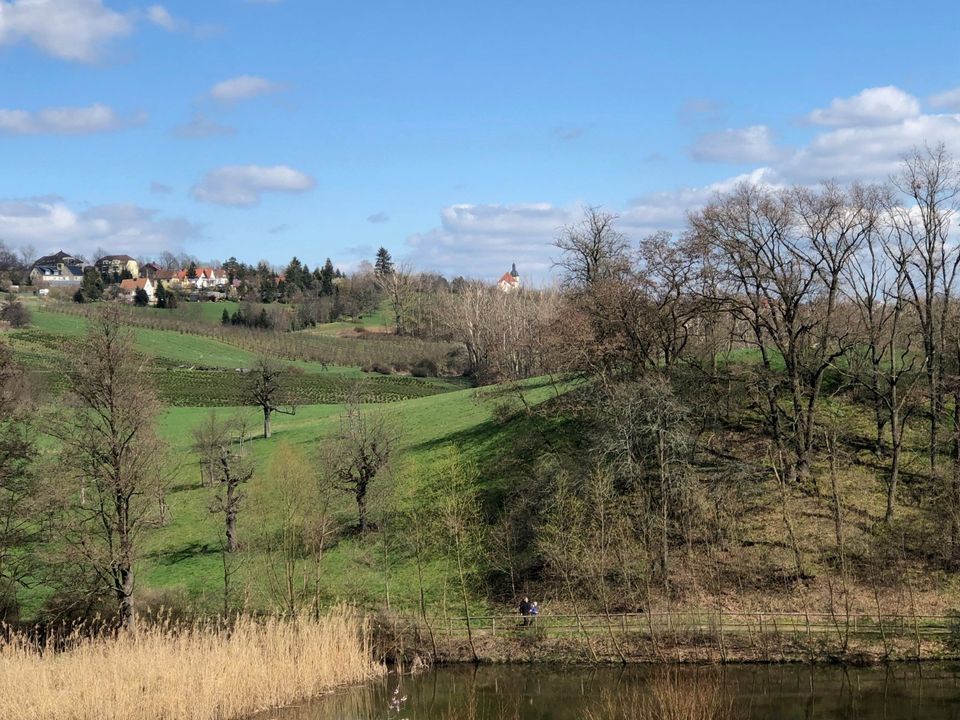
(530, 692)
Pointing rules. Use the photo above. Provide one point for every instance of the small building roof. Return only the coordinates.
(132, 285)
(57, 257)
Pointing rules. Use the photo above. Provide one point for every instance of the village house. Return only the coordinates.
(510, 281)
(117, 265)
(209, 278)
(170, 279)
(129, 287)
(204, 279)
(150, 270)
(58, 270)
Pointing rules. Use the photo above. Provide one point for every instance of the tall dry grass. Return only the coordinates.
(198, 673)
(669, 695)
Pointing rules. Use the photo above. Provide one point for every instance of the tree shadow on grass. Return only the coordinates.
(187, 552)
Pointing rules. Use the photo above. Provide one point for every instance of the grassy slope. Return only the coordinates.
(197, 370)
(175, 347)
(184, 559)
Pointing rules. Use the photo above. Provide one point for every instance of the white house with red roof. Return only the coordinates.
(128, 289)
(510, 281)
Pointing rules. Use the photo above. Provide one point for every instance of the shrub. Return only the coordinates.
(503, 412)
(425, 368)
(16, 313)
(382, 369)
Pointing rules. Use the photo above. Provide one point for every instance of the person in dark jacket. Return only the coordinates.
(525, 608)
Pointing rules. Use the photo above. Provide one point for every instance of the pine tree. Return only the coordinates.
(384, 264)
(91, 288)
(326, 278)
(225, 318)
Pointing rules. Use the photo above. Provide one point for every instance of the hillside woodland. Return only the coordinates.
(759, 412)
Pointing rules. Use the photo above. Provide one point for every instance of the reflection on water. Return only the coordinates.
(524, 692)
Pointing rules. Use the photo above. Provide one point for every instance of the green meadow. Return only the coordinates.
(181, 562)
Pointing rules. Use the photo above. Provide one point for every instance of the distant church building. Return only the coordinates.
(510, 280)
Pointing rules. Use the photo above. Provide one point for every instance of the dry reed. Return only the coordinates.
(198, 673)
(669, 695)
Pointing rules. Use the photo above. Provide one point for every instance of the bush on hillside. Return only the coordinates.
(16, 313)
(425, 368)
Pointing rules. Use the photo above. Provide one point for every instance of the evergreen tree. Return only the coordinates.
(140, 298)
(91, 288)
(225, 318)
(192, 271)
(326, 278)
(161, 295)
(384, 264)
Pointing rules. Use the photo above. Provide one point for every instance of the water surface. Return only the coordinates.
(527, 692)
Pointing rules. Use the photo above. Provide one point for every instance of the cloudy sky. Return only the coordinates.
(459, 135)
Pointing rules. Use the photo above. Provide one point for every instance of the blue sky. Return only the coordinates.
(459, 135)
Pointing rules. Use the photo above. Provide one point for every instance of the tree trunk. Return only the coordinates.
(896, 443)
(266, 422)
(124, 591)
(955, 484)
(231, 518)
(362, 510)
(664, 515)
(463, 594)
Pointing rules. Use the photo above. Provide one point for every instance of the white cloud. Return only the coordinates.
(667, 210)
(94, 118)
(161, 17)
(67, 29)
(868, 152)
(50, 224)
(242, 185)
(378, 218)
(873, 106)
(244, 87)
(754, 144)
(483, 240)
(947, 100)
(159, 188)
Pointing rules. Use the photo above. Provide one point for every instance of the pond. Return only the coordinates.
(734, 692)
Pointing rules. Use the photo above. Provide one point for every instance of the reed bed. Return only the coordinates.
(671, 694)
(203, 672)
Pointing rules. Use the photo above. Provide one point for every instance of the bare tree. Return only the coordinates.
(930, 179)
(267, 391)
(784, 255)
(109, 441)
(644, 437)
(293, 504)
(19, 491)
(400, 285)
(884, 360)
(359, 453)
(592, 250)
(220, 447)
(459, 512)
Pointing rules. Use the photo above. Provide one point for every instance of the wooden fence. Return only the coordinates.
(704, 623)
